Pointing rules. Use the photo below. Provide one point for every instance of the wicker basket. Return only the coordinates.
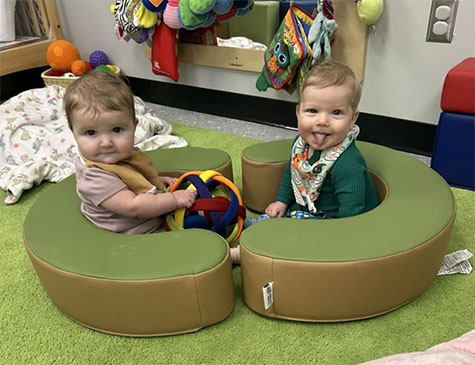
(64, 81)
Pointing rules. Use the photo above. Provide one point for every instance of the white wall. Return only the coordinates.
(404, 73)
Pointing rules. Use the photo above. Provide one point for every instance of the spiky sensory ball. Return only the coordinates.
(98, 58)
(218, 206)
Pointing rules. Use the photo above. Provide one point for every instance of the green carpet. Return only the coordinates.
(34, 331)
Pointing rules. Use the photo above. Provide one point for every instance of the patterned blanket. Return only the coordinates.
(36, 144)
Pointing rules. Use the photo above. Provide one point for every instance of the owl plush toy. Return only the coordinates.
(287, 50)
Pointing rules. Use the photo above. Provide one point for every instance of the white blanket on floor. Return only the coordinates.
(36, 144)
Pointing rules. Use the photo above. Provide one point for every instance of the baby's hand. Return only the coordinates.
(167, 180)
(276, 209)
(185, 198)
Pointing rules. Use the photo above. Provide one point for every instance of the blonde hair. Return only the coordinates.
(96, 92)
(331, 73)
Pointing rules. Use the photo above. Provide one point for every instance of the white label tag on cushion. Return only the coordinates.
(268, 295)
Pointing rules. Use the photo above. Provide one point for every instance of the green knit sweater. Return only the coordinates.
(347, 190)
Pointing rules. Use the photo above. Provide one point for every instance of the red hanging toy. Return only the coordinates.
(164, 57)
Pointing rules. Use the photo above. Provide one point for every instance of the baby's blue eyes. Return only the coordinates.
(314, 111)
(92, 132)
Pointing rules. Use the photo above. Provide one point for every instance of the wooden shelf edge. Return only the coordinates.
(24, 57)
(222, 57)
(214, 56)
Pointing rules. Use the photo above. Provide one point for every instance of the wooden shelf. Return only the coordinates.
(33, 54)
(214, 56)
(223, 57)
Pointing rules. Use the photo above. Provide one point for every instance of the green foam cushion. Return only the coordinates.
(56, 231)
(270, 152)
(189, 159)
(418, 206)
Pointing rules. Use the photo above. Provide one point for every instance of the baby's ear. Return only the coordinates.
(355, 117)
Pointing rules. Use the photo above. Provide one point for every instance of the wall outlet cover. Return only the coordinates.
(442, 21)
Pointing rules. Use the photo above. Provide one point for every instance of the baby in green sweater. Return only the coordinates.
(327, 175)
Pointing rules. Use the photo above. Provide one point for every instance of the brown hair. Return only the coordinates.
(96, 92)
(331, 73)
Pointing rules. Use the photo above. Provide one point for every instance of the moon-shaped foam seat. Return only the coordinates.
(133, 285)
(349, 268)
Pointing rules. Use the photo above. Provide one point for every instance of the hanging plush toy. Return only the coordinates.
(164, 58)
(170, 15)
(299, 42)
(288, 49)
(322, 31)
(369, 11)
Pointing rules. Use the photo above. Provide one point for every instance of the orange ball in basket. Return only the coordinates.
(79, 68)
(61, 55)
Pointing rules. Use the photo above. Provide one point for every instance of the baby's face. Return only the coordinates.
(325, 116)
(108, 137)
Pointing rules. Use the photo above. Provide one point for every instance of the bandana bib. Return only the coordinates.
(307, 179)
(136, 171)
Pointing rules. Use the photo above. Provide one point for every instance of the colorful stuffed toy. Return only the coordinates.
(145, 18)
(141, 35)
(288, 49)
(369, 11)
(222, 6)
(170, 15)
(155, 6)
(79, 68)
(61, 54)
(202, 6)
(131, 16)
(188, 19)
(300, 41)
(123, 17)
(191, 19)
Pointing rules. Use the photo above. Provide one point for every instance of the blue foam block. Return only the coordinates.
(453, 156)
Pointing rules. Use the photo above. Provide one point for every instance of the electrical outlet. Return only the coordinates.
(442, 21)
